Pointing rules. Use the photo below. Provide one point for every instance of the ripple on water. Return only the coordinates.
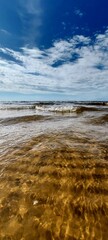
(55, 193)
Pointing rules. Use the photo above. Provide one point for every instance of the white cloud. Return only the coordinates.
(78, 12)
(76, 66)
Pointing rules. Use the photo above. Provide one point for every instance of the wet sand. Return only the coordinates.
(55, 186)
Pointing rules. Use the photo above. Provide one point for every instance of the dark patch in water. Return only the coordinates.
(16, 120)
(100, 120)
(81, 109)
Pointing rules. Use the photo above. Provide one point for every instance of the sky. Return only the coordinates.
(54, 50)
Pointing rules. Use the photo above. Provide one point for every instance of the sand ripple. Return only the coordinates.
(55, 189)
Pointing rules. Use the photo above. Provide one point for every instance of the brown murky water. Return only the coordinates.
(54, 186)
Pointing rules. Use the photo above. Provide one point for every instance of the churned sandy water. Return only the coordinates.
(55, 185)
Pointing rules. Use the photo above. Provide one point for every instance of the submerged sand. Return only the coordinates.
(55, 187)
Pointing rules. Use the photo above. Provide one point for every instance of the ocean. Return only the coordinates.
(53, 170)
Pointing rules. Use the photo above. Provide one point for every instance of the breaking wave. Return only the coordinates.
(58, 107)
(68, 108)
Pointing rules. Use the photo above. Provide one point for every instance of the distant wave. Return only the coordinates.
(95, 103)
(17, 107)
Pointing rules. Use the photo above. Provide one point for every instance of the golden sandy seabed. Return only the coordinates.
(55, 187)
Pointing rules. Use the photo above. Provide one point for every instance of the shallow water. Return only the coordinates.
(54, 176)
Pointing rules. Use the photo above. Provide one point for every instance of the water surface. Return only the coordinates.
(53, 171)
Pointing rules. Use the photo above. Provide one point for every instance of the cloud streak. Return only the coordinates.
(4, 31)
(30, 13)
(75, 67)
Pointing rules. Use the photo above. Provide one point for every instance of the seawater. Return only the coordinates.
(53, 170)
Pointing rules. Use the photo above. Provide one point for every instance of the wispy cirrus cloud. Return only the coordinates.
(30, 13)
(76, 66)
(4, 31)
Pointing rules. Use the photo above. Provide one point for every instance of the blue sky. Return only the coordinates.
(53, 50)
